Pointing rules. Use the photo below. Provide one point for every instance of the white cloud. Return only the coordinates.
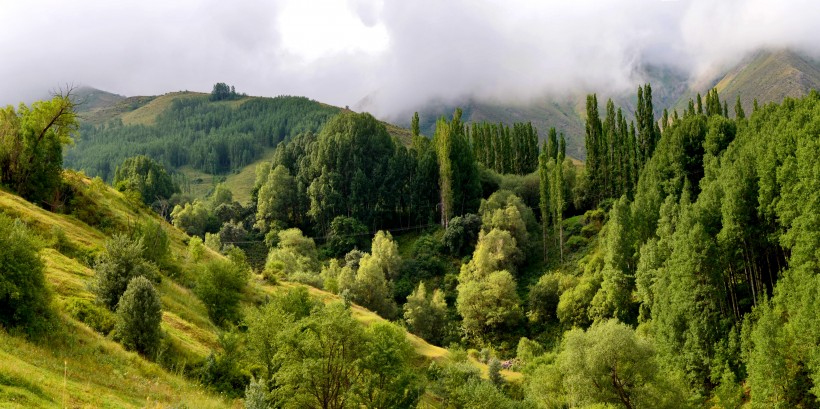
(400, 53)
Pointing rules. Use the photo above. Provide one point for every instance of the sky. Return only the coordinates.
(391, 57)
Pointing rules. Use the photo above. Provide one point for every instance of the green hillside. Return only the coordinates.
(77, 366)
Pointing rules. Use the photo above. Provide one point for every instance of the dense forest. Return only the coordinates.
(677, 267)
(205, 132)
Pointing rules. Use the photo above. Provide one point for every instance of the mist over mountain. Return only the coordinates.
(401, 57)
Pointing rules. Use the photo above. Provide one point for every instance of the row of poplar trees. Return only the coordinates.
(616, 152)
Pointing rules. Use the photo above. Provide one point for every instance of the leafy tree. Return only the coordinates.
(388, 379)
(504, 210)
(426, 313)
(31, 147)
(139, 314)
(155, 242)
(462, 233)
(488, 305)
(277, 201)
(320, 363)
(220, 285)
(294, 257)
(346, 234)
(371, 288)
(121, 262)
(610, 364)
(195, 218)
(24, 297)
(145, 177)
(414, 124)
(495, 251)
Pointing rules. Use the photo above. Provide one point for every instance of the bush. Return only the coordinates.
(96, 317)
(24, 298)
(139, 313)
(121, 262)
(220, 287)
(575, 243)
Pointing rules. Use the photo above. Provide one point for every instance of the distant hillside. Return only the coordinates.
(768, 76)
(565, 113)
(186, 131)
(91, 100)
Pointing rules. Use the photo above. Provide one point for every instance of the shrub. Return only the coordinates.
(575, 243)
(220, 287)
(139, 314)
(24, 298)
(121, 261)
(96, 317)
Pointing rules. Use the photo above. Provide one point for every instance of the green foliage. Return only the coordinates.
(98, 318)
(220, 285)
(121, 262)
(425, 313)
(295, 258)
(195, 218)
(222, 370)
(31, 147)
(462, 233)
(145, 177)
(213, 138)
(139, 314)
(610, 364)
(24, 297)
(156, 244)
(346, 234)
(504, 149)
(223, 92)
(388, 379)
(489, 306)
(277, 201)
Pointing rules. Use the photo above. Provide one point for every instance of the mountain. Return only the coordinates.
(768, 76)
(566, 113)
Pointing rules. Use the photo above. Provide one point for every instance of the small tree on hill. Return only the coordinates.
(122, 261)
(139, 314)
(23, 296)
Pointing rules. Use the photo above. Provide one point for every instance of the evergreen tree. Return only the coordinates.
(739, 114)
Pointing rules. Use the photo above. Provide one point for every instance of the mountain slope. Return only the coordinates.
(768, 76)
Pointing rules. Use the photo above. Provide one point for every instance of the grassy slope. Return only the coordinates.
(99, 372)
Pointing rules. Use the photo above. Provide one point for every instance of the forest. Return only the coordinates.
(677, 267)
